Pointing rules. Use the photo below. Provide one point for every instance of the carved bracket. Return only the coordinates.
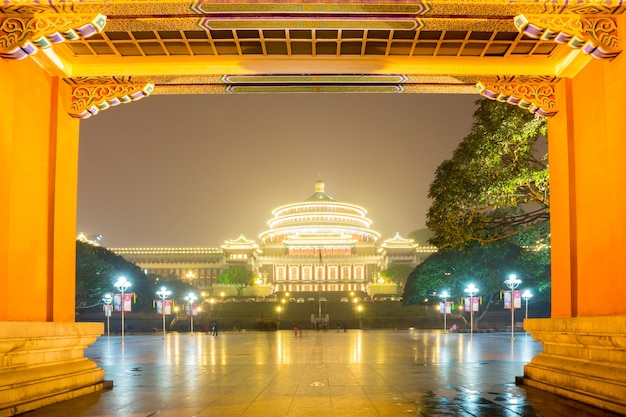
(537, 98)
(21, 35)
(88, 100)
(595, 36)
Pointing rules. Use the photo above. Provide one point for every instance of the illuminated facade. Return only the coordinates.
(320, 244)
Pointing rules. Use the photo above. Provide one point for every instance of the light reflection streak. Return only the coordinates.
(176, 350)
(279, 349)
(460, 348)
(357, 346)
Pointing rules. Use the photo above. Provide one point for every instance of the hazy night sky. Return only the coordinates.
(195, 171)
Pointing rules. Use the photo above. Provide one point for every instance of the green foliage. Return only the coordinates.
(97, 269)
(179, 289)
(397, 273)
(93, 275)
(495, 185)
(238, 277)
(486, 266)
(421, 236)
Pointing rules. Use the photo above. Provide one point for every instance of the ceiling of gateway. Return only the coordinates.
(272, 42)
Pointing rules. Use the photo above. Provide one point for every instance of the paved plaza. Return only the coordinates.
(331, 373)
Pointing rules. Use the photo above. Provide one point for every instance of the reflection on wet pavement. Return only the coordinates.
(358, 373)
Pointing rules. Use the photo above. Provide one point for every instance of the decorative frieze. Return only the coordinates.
(538, 98)
(594, 35)
(21, 36)
(88, 100)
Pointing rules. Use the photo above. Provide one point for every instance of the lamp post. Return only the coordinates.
(190, 299)
(122, 285)
(359, 310)
(444, 296)
(471, 290)
(526, 295)
(278, 310)
(163, 293)
(107, 300)
(512, 283)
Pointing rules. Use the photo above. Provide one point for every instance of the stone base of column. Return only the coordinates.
(43, 363)
(584, 359)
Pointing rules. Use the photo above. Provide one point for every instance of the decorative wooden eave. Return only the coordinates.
(593, 35)
(247, 46)
(89, 99)
(24, 35)
(537, 98)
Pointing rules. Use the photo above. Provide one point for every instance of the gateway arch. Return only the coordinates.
(63, 61)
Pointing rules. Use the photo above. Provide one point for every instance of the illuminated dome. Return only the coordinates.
(319, 220)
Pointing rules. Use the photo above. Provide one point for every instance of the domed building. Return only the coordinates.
(319, 244)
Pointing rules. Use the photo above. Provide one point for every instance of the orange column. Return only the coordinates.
(38, 181)
(587, 149)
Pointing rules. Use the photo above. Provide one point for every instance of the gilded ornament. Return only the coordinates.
(88, 100)
(595, 36)
(21, 36)
(539, 99)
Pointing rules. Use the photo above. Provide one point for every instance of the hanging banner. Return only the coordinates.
(475, 303)
(117, 302)
(191, 310)
(108, 308)
(517, 299)
(168, 306)
(445, 307)
(128, 301)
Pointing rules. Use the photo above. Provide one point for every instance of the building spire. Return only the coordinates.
(319, 186)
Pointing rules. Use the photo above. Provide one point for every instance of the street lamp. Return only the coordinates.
(278, 310)
(190, 299)
(444, 295)
(471, 290)
(107, 300)
(122, 285)
(359, 309)
(512, 283)
(163, 293)
(526, 295)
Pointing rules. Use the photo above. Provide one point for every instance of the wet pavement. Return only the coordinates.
(358, 373)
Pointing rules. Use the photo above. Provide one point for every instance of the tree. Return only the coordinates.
(421, 236)
(98, 268)
(496, 185)
(484, 265)
(178, 288)
(397, 273)
(238, 277)
(93, 275)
